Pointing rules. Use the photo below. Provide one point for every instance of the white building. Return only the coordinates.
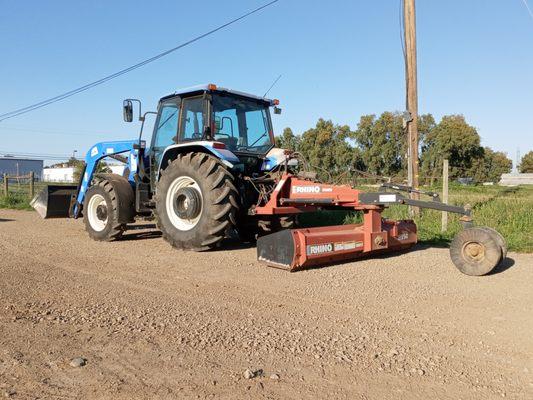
(117, 168)
(516, 179)
(64, 174)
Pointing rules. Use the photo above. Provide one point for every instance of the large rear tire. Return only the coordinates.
(195, 202)
(475, 251)
(101, 209)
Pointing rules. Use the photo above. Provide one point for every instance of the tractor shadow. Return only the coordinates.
(234, 244)
(141, 232)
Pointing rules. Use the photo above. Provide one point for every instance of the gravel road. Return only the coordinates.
(136, 319)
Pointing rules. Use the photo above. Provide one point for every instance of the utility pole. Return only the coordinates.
(411, 94)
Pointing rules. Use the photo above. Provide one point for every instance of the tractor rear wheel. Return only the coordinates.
(101, 210)
(195, 202)
(475, 251)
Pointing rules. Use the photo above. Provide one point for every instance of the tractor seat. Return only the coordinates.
(230, 142)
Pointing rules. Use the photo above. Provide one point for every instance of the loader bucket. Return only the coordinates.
(55, 201)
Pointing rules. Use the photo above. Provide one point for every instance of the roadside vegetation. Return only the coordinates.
(15, 201)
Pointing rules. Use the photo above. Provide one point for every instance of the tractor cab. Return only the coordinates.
(232, 125)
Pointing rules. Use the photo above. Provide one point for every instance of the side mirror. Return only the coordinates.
(127, 110)
(277, 110)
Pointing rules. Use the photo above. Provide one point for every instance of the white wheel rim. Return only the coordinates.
(183, 224)
(96, 223)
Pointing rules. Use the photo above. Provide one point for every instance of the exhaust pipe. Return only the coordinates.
(55, 201)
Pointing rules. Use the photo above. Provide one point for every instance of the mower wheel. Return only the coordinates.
(475, 251)
(499, 238)
(104, 208)
(196, 202)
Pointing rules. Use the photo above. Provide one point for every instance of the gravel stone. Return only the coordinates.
(249, 374)
(78, 362)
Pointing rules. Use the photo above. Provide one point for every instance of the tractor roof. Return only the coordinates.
(214, 88)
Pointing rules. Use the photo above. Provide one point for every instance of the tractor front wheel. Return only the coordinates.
(101, 210)
(195, 202)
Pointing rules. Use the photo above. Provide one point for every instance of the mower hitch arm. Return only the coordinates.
(387, 198)
(410, 189)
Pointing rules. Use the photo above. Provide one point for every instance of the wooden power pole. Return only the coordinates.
(412, 93)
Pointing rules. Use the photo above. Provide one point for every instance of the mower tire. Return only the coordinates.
(475, 251)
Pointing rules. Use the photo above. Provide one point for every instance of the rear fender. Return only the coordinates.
(171, 152)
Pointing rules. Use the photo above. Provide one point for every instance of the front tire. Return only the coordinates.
(195, 202)
(101, 212)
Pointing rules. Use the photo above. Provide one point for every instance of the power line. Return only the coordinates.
(50, 131)
(88, 86)
(10, 156)
(528, 9)
(29, 154)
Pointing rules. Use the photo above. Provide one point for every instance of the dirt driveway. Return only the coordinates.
(153, 322)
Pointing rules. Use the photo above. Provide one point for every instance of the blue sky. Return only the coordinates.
(338, 60)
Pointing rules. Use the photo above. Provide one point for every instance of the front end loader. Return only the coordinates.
(211, 170)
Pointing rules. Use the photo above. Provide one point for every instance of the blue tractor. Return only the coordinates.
(210, 161)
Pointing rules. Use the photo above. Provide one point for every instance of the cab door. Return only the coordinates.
(165, 132)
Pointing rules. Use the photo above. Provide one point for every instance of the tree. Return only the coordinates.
(495, 163)
(78, 165)
(453, 139)
(526, 164)
(327, 150)
(380, 143)
(288, 140)
(383, 142)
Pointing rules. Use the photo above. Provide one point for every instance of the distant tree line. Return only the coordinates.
(379, 147)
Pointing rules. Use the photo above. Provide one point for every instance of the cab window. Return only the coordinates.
(192, 121)
(165, 130)
(167, 125)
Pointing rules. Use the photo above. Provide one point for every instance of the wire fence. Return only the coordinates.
(21, 185)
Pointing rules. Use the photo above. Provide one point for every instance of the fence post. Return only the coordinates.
(6, 185)
(444, 227)
(32, 184)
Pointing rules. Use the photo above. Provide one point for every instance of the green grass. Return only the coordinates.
(15, 201)
(508, 210)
